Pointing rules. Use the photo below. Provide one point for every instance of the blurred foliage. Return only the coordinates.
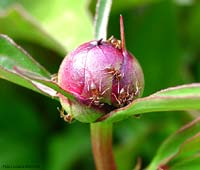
(47, 23)
(163, 34)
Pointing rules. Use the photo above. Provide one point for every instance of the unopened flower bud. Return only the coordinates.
(102, 75)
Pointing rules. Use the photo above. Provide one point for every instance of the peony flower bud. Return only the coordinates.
(102, 75)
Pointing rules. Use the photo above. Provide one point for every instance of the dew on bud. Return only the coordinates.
(102, 75)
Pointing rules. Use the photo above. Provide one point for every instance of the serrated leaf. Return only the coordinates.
(176, 144)
(185, 97)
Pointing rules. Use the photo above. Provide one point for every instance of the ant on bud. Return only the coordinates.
(124, 97)
(96, 94)
(54, 78)
(66, 117)
(115, 42)
(115, 73)
(102, 75)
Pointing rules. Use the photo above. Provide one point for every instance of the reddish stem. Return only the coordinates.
(122, 33)
(101, 135)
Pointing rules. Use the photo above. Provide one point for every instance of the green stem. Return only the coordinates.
(101, 135)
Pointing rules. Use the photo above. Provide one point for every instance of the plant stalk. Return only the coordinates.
(101, 136)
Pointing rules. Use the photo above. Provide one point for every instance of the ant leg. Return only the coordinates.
(105, 91)
(54, 78)
(116, 98)
(61, 111)
(66, 117)
(137, 92)
(118, 87)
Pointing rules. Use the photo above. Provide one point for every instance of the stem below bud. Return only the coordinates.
(101, 136)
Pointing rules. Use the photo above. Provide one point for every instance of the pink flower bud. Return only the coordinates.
(102, 75)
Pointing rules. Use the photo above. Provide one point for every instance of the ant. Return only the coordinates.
(115, 42)
(54, 78)
(137, 89)
(125, 96)
(96, 94)
(66, 117)
(115, 73)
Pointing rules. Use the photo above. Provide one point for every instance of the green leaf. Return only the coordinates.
(18, 24)
(60, 21)
(184, 144)
(17, 66)
(191, 163)
(185, 97)
(187, 150)
(46, 85)
(22, 81)
(12, 55)
(101, 18)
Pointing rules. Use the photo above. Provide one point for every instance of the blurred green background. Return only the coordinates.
(163, 34)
